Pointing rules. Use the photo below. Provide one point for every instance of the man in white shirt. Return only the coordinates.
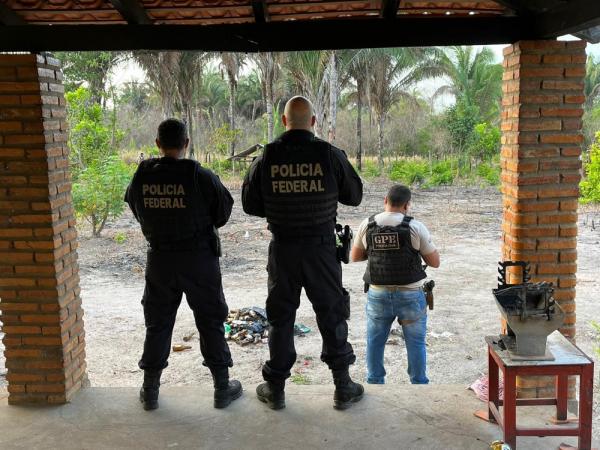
(395, 245)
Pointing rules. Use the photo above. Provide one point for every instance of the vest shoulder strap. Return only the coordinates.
(372, 222)
(406, 221)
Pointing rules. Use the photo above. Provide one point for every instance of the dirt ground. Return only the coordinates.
(465, 225)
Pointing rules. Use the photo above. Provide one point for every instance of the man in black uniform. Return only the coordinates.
(179, 206)
(296, 185)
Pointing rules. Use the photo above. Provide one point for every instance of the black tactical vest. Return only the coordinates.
(167, 201)
(298, 184)
(392, 260)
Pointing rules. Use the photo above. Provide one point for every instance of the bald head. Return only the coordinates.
(298, 114)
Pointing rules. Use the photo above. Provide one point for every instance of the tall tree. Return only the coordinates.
(160, 68)
(358, 65)
(232, 64)
(592, 81)
(269, 70)
(91, 68)
(307, 73)
(393, 72)
(474, 79)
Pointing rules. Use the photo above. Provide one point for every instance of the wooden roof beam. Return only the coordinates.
(132, 11)
(9, 17)
(389, 9)
(572, 17)
(261, 11)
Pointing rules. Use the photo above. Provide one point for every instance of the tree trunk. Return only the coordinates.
(232, 113)
(359, 125)
(380, 125)
(190, 123)
(333, 95)
(269, 105)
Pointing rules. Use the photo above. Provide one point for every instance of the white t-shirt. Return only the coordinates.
(419, 237)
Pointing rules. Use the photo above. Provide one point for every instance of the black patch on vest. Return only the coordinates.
(386, 241)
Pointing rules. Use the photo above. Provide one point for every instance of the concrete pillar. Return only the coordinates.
(39, 281)
(541, 147)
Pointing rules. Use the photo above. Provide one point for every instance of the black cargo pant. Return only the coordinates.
(170, 274)
(310, 263)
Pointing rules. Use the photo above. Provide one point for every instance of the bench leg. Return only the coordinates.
(510, 408)
(492, 385)
(562, 393)
(586, 393)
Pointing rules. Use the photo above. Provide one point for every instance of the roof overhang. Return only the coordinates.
(284, 25)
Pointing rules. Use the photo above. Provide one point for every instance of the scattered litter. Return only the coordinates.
(181, 347)
(300, 329)
(188, 337)
(246, 235)
(247, 326)
(443, 334)
(393, 342)
(469, 357)
(481, 388)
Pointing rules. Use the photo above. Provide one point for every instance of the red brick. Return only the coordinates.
(562, 138)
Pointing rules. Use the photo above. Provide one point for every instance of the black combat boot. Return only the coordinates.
(149, 390)
(346, 390)
(272, 394)
(226, 390)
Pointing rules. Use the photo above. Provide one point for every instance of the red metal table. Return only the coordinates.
(569, 360)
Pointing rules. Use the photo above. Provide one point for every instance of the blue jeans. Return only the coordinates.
(409, 307)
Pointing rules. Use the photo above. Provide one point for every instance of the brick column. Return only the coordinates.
(541, 147)
(39, 281)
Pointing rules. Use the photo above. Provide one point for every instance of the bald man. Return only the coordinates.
(296, 184)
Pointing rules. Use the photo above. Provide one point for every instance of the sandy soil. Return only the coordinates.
(465, 224)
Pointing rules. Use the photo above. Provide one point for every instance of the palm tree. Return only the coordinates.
(392, 73)
(232, 64)
(357, 69)
(269, 70)
(160, 68)
(307, 73)
(592, 81)
(474, 79)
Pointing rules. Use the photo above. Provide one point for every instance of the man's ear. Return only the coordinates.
(313, 120)
(187, 142)
(157, 142)
(385, 200)
(284, 120)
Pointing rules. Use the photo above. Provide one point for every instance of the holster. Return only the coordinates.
(344, 242)
(215, 243)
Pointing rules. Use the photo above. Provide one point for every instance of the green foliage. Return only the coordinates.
(409, 171)
(441, 173)
(489, 172)
(99, 190)
(120, 238)
(91, 137)
(590, 186)
(222, 137)
(299, 378)
(596, 327)
(461, 119)
(221, 167)
(370, 170)
(484, 141)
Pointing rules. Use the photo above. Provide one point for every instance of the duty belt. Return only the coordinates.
(307, 240)
(189, 244)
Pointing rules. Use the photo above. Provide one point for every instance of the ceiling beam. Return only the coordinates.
(9, 17)
(132, 11)
(272, 36)
(261, 11)
(572, 17)
(389, 9)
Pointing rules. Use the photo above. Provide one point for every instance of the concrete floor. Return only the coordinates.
(394, 417)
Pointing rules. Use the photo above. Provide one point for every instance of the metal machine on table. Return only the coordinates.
(530, 312)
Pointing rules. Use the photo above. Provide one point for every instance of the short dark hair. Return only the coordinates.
(172, 134)
(398, 195)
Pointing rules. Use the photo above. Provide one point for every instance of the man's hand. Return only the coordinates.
(358, 254)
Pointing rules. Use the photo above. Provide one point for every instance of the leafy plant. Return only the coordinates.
(489, 173)
(120, 238)
(370, 170)
(485, 141)
(299, 378)
(98, 192)
(596, 327)
(442, 173)
(409, 172)
(590, 186)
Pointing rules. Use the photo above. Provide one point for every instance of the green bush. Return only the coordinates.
(370, 169)
(409, 172)
(442, 173)
(590, 186)
(489, 173)
(99, 190)
(221, 167)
